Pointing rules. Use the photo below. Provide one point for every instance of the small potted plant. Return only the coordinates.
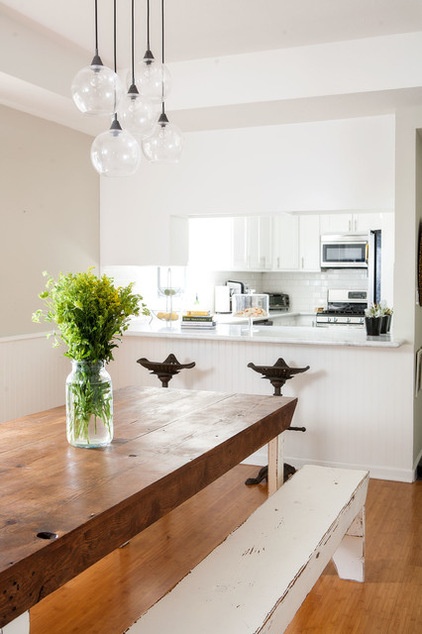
(386, 315)
(91, 314)
(373, 320)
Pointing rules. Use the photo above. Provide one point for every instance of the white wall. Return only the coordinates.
(326, 165)
(49, 212)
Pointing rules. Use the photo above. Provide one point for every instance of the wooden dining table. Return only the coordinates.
(64, 508)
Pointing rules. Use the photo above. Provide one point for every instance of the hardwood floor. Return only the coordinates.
(108, 597)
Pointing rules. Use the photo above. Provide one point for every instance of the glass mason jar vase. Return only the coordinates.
(89, 405)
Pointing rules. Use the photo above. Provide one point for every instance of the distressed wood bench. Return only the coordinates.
(256, 580)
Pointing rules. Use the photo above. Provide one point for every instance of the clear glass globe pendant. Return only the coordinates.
(153, 79)
(115, 152)
(137, 114)
(96, 89)
(165, 144)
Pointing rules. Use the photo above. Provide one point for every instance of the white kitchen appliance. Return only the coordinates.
(222, 303)
(344, 308)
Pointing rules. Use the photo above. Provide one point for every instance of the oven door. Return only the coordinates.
(344, 252)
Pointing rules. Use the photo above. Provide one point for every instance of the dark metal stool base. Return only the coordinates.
(263, 475)
(277, 375)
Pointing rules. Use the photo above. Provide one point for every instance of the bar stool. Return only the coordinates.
(165, 370)
(277, 375)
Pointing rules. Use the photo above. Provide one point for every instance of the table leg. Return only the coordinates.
(275, 464)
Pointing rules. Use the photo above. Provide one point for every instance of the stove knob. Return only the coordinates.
(335, 320)
(348, 320)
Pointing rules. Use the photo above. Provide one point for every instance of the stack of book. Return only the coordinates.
(201, 319)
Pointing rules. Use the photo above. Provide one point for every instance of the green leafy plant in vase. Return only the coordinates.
(91, 315)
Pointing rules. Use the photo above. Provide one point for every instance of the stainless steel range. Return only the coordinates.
(344, 308)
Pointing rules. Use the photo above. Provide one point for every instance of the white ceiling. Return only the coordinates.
(197, 29)
(208, 28)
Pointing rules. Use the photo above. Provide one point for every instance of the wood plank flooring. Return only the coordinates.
(109, 596)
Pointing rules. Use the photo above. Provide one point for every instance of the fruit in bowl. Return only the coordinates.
(166, 315)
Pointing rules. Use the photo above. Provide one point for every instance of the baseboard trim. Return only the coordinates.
(260, 458)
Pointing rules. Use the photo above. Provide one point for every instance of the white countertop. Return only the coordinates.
(229, 318)
(317, 335)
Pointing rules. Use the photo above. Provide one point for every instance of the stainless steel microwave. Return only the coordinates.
(344, 251)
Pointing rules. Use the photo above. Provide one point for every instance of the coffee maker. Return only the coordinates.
(223, 295)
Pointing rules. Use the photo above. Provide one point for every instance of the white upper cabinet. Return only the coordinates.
(285, 242)
(281, 242)
(296, 242)
(350, 223)
(211, 243)
(251, 243)
(309, 233)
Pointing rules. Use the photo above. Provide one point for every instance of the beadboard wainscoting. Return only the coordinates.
(354, 402)
(32, 375)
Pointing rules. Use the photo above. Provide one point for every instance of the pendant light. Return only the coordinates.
(96, 89)
(115, 152)
(153, 79)
(137, 114)
(165, 143)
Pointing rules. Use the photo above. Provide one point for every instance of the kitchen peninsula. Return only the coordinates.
(349, 400)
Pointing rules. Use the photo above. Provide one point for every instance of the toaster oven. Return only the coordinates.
(278, 302)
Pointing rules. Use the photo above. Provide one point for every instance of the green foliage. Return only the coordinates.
(378, 310)
(90, 313)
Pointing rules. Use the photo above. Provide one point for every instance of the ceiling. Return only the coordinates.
(213, 28)
(197, 29)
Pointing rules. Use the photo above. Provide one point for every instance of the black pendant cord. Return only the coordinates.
(133, 42)
(96, 61)
(162, 32)
(115, 124)
(148, 40)
(115, 35)
(133, 91)
(163, 117)
(96, 27)
(148, 57)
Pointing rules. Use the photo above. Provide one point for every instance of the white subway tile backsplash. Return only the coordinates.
(307, 290)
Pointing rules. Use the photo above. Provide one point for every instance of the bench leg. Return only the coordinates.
(349, 558)
(20, 625)
(275, 464)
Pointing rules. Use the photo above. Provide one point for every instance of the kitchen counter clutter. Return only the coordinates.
(306, 335)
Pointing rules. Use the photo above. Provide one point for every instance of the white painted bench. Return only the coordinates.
(256, 580)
